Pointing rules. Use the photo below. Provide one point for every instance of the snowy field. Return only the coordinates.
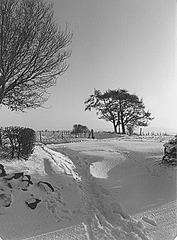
(99, 189)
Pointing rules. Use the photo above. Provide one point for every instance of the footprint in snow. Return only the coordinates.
(58, 210)
(32, 202)
(13, 176)
(18, 181)
(45, 186)
(150, 221)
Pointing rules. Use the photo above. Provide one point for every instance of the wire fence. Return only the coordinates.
(48, 137)
(66, 136)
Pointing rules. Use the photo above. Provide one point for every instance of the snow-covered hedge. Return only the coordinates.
(170, 151)
(19, 140)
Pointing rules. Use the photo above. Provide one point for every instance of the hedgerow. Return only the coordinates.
(20, 141)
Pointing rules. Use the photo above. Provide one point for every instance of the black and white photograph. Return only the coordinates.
(88, 120)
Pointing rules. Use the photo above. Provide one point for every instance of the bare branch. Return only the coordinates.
(33, 52)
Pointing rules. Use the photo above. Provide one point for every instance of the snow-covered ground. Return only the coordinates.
(105, 189)
(131, 171)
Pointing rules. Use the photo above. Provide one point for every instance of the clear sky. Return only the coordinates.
(117, 44)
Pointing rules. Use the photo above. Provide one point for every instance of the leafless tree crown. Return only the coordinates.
(33, 52)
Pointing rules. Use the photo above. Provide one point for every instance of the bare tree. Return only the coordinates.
(33, 52)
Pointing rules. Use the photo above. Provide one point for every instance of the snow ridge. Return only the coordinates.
(62, 162)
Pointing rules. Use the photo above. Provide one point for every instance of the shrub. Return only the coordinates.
(21, 141)
(130, 129)
(170, 152)
(26, 140)
(79, 129)
(10, 139)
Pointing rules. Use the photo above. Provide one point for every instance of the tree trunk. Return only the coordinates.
(0, 138)
(115, 127)
(12, 148)
(2, 80)
(123, 128)
(122, 123)
(119, 121)
(0, 96)
(119, 128)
